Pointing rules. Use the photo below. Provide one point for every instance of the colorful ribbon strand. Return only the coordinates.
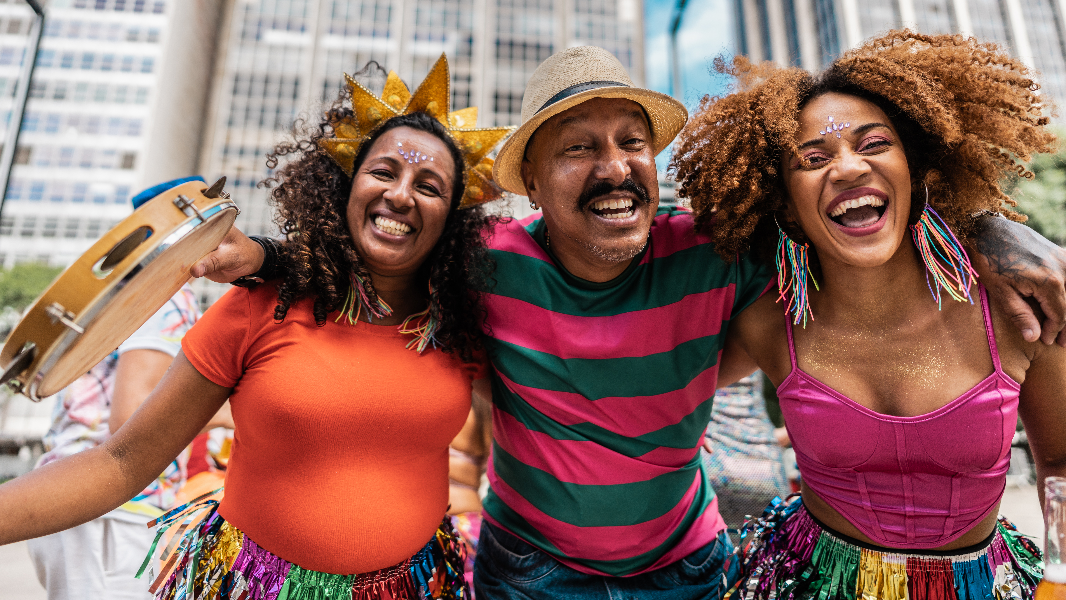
(793, 270)
(944, 258)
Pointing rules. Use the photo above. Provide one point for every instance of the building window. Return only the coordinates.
(107, 62)
(66, 61)
(51, 227)
(45, 58)
(147, 64)
(66, 157)
(36, 191)
(132, 34)
(80, 190)
(87, 60)
(60, 92)
(133, 128)
(128, 159)
(51, 123)
(92, 229)
(153, 36)
(29, 225)
(70, 229)
(127, 64)
(7, 223)
(507, 102)
(22, 155)
(122, 194)
(14, 27)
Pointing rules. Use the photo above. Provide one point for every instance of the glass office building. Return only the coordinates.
(810, 33)
(113, 106)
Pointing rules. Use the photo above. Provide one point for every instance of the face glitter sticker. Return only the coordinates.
(834, 127)
(413, 156)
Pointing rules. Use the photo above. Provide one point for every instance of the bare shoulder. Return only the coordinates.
(1017, 355)
(760, 330)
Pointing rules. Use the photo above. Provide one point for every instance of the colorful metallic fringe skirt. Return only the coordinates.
(787, 554)
(214, 560)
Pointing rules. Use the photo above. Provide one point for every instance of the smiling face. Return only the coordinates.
(592, 170)
(852, 198)
(398, 206)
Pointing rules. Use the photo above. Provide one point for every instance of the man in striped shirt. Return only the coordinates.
(607, 319)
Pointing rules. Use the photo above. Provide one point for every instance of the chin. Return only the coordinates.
(618, 253)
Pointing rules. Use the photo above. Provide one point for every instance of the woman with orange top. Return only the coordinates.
(347, 377)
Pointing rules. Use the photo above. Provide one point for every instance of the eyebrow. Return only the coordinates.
(857, 131)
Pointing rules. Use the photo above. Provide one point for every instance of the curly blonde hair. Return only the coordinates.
(967, 113)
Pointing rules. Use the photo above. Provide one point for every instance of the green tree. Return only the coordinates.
(1043, 198)
(20, 285)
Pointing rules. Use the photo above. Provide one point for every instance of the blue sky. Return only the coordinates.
(707, 31)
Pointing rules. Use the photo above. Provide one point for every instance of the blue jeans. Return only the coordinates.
(508, 568)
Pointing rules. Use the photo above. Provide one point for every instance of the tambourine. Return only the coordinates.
(114, 288)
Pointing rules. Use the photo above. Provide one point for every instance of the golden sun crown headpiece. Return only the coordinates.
(432, 97)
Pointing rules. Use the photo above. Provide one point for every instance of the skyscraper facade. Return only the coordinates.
(811, 33)
(115, 104)
(282, 59)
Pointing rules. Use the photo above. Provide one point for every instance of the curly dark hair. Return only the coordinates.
(967, 114)
(310, 193)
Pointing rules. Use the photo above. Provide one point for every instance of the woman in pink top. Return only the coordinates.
(901, 405)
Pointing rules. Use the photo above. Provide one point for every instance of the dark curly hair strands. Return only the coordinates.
(310, 193)
(968, 115)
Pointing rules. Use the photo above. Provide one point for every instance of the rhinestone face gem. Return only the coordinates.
(832, 127)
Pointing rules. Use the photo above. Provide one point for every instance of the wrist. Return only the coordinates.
(268, 263)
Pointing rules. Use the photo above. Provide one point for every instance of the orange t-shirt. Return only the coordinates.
(340, 458)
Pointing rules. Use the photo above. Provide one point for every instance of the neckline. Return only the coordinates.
(997, 371)
(538, 236)
(797, 372)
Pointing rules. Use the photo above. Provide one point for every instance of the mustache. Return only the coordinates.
(602, 188)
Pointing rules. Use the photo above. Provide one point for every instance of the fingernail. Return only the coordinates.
(1028, 334)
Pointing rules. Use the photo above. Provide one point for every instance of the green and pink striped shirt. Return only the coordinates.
(602, 393)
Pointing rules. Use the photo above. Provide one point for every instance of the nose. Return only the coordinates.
(613, 165)
(399, 195)
(850, 166)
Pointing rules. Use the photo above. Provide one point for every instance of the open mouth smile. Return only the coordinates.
(613, 209)
(391, 226)
(858, 213)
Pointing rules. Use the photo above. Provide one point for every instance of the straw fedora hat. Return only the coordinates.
(569, 78)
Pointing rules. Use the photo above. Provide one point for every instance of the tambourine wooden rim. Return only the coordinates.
(114, 288)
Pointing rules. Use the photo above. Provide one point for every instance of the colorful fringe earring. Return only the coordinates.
(424, 325)
(944, 257)
(357, 298)
(793, 269)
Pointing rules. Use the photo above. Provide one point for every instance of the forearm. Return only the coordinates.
(65, 494)
(86, 485)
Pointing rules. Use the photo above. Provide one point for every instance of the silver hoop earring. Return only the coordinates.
(533, 205)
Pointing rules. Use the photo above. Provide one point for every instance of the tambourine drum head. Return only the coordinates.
(132, 306)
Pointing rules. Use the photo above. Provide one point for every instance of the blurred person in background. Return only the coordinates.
(743, 459)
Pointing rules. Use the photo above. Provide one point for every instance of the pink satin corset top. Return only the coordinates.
(905, 482)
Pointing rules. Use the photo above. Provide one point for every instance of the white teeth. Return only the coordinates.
(392, 227)
(626, 204)
(846, 205)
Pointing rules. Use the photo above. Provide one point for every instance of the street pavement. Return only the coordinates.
(18, 581)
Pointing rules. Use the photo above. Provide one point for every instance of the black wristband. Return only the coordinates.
(271, 268)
